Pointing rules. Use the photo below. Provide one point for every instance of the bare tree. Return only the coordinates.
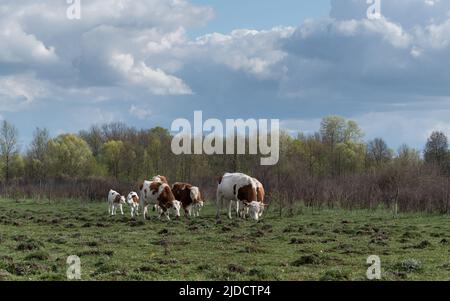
(8, 145)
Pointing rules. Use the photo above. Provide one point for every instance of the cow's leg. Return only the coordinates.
(195, 210)
(219, 201)
(144, 212)
(230, 208)
(121, 208)
(239, 209)
(109, 209)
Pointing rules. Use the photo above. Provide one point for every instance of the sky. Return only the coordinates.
(149, 62)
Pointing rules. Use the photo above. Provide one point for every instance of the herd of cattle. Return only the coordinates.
(244, 193)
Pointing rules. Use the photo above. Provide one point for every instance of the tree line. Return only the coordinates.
(334, 166)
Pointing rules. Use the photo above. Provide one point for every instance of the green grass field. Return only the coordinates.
(37, 237)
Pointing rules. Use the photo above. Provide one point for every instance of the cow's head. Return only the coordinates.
(122, 200)
(255, 210)
(177, 208)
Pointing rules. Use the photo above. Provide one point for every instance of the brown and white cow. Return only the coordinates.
(260, 196)
(133, 201)
(159, 178)
(115, 200)
(190, 198)
(158, 193)
(242, 190)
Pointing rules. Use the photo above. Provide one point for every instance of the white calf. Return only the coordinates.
(115, 200)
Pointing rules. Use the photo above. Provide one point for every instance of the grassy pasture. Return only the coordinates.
(37, 237)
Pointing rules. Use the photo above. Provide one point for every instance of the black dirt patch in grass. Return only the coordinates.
(164, 232)
(337, 230)
(311, 259)
(134, 223)
(29, 245)
(379, 238)
(446, 266)
(69, 226)
(204, 267)
(108, 252)
(299, 241)
(92, 244)
(102, 225)
(235, 224)
(267, 228)
(226, 229)
(87, 225)
(335, 275)
(55, 221)
(234, 268)
(57, 240)
(444, 241)
(437, 235)
(423, 245)
(193, 228)
(411, 235)
(26, 268)
(147, 269)
(39, 255)
(76, 235)
(258, 233)
(20, 237)
(362, 232)
(328, 240)
(291, 229)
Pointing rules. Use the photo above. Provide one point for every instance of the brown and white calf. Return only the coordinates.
(115, 200)
(241, 190)
(190, 198)
(158, 193)
(133, 201)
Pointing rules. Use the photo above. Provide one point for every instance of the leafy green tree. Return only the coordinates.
(112, 155)
(336, 131)
(70, 155)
